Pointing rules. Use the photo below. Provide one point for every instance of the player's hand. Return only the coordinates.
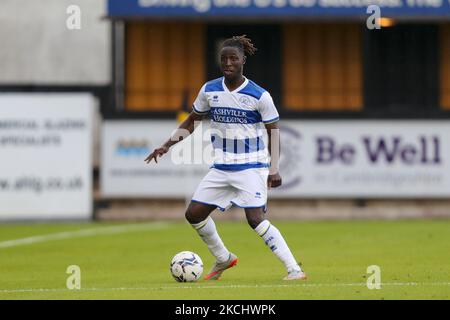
(274, 180)
(157, 152)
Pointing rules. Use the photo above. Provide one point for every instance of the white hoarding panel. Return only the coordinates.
(45, 156)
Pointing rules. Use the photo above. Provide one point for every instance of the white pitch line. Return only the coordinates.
(402, 284)
(82, 233)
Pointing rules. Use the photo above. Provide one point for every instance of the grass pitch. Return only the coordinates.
(131, 261)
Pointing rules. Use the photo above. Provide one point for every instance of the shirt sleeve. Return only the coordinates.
(267, 109)
(201, 105)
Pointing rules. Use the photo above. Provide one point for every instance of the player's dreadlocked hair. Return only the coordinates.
(242, 43)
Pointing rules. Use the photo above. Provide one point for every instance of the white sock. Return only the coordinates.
(208, 232)
(275, 241)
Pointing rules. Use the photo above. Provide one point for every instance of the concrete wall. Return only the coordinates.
(36, 47)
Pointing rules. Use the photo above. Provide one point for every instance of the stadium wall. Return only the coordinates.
(39, 49)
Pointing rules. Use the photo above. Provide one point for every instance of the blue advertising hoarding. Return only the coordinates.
(277, 8)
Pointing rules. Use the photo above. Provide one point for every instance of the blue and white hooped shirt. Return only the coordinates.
(237, 119)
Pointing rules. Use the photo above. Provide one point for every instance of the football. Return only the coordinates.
(186, 266)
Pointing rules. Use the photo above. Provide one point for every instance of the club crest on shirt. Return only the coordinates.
(245, 101)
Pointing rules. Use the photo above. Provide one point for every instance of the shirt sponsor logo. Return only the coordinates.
(233, 115)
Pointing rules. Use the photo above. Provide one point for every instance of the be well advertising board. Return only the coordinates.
(373, 159)
(45, 156)
(319, 159)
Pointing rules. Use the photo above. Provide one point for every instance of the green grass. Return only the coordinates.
(414, 257)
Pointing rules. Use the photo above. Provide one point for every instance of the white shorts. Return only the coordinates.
(243, 188)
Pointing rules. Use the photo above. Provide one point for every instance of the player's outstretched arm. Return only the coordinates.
(184, 130)
(273, 133)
